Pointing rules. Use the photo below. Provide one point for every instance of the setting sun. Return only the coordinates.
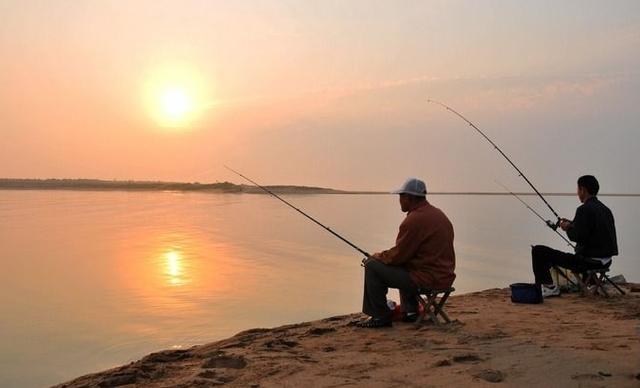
(174, 96)
(176, 103)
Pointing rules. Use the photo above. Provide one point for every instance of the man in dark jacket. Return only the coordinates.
(423, 256)
(592, 229)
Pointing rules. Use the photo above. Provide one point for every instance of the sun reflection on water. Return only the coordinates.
(177, 269)
(174, 268)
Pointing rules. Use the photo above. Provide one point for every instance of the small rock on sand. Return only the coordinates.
(466, 358)
(441, 363)
(587, 376)
(490, 375)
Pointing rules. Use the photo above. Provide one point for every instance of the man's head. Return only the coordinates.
(412, 193)
(588, 187)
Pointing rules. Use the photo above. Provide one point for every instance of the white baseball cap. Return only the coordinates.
(412, 186)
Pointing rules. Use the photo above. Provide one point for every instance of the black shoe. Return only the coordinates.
(375, 323)
(409, 317)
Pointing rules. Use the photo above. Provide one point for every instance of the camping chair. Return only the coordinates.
(432, 301)
(565, 275)
(592, 282)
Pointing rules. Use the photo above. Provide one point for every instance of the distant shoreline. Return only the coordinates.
(221, 188)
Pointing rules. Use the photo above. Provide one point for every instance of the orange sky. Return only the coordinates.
(329, 94)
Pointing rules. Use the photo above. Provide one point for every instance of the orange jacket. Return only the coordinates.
(425, 247)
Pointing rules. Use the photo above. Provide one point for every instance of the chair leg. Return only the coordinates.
(606, 278)
(439, 309)
(565, 275)
(433, 308)
(598, 281)
(433, 314)
(582, 283)
(427, 310)
(424, 310)
(599, 277)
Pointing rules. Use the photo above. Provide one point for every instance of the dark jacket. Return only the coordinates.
(593, 229)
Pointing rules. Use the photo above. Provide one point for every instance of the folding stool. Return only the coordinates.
(432, 301)
(592, 282)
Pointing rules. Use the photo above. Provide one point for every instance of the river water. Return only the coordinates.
(92, 279)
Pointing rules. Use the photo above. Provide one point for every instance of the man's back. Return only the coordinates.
(433, 262)
(593, 229)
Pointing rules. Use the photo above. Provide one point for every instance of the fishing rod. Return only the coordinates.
(565, 274)
(550, 224)
(536, 213)
(299, 211)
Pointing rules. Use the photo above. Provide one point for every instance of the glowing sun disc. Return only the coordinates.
(176, 103)
(174, 96)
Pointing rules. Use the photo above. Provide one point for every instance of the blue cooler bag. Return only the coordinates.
(526, 293)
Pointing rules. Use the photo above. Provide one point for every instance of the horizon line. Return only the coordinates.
(307, 189)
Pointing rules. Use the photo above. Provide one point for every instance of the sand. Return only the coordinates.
(568, 341)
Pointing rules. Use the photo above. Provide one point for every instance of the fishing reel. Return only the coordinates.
(553, 225)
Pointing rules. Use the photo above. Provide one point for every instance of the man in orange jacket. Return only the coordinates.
(423, 257)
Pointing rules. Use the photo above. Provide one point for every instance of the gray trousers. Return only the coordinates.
(378, 278)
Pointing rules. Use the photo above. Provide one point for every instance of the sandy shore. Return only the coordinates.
(568, 341)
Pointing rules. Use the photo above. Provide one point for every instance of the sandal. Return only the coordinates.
(374, 323)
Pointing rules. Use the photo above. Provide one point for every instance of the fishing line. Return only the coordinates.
(299, 211)
(535, 212)
(549, 223)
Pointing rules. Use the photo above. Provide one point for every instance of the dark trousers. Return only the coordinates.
(378, 278)
(543, 258)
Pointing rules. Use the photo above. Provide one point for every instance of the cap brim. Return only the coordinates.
(409, 192)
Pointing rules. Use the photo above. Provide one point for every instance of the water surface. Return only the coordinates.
(92, 280)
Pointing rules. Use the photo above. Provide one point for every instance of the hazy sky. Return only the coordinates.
(326, 93)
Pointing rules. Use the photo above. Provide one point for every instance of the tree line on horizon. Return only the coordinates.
(99, 184)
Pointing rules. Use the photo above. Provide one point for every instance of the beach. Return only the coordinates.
(568, 341)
